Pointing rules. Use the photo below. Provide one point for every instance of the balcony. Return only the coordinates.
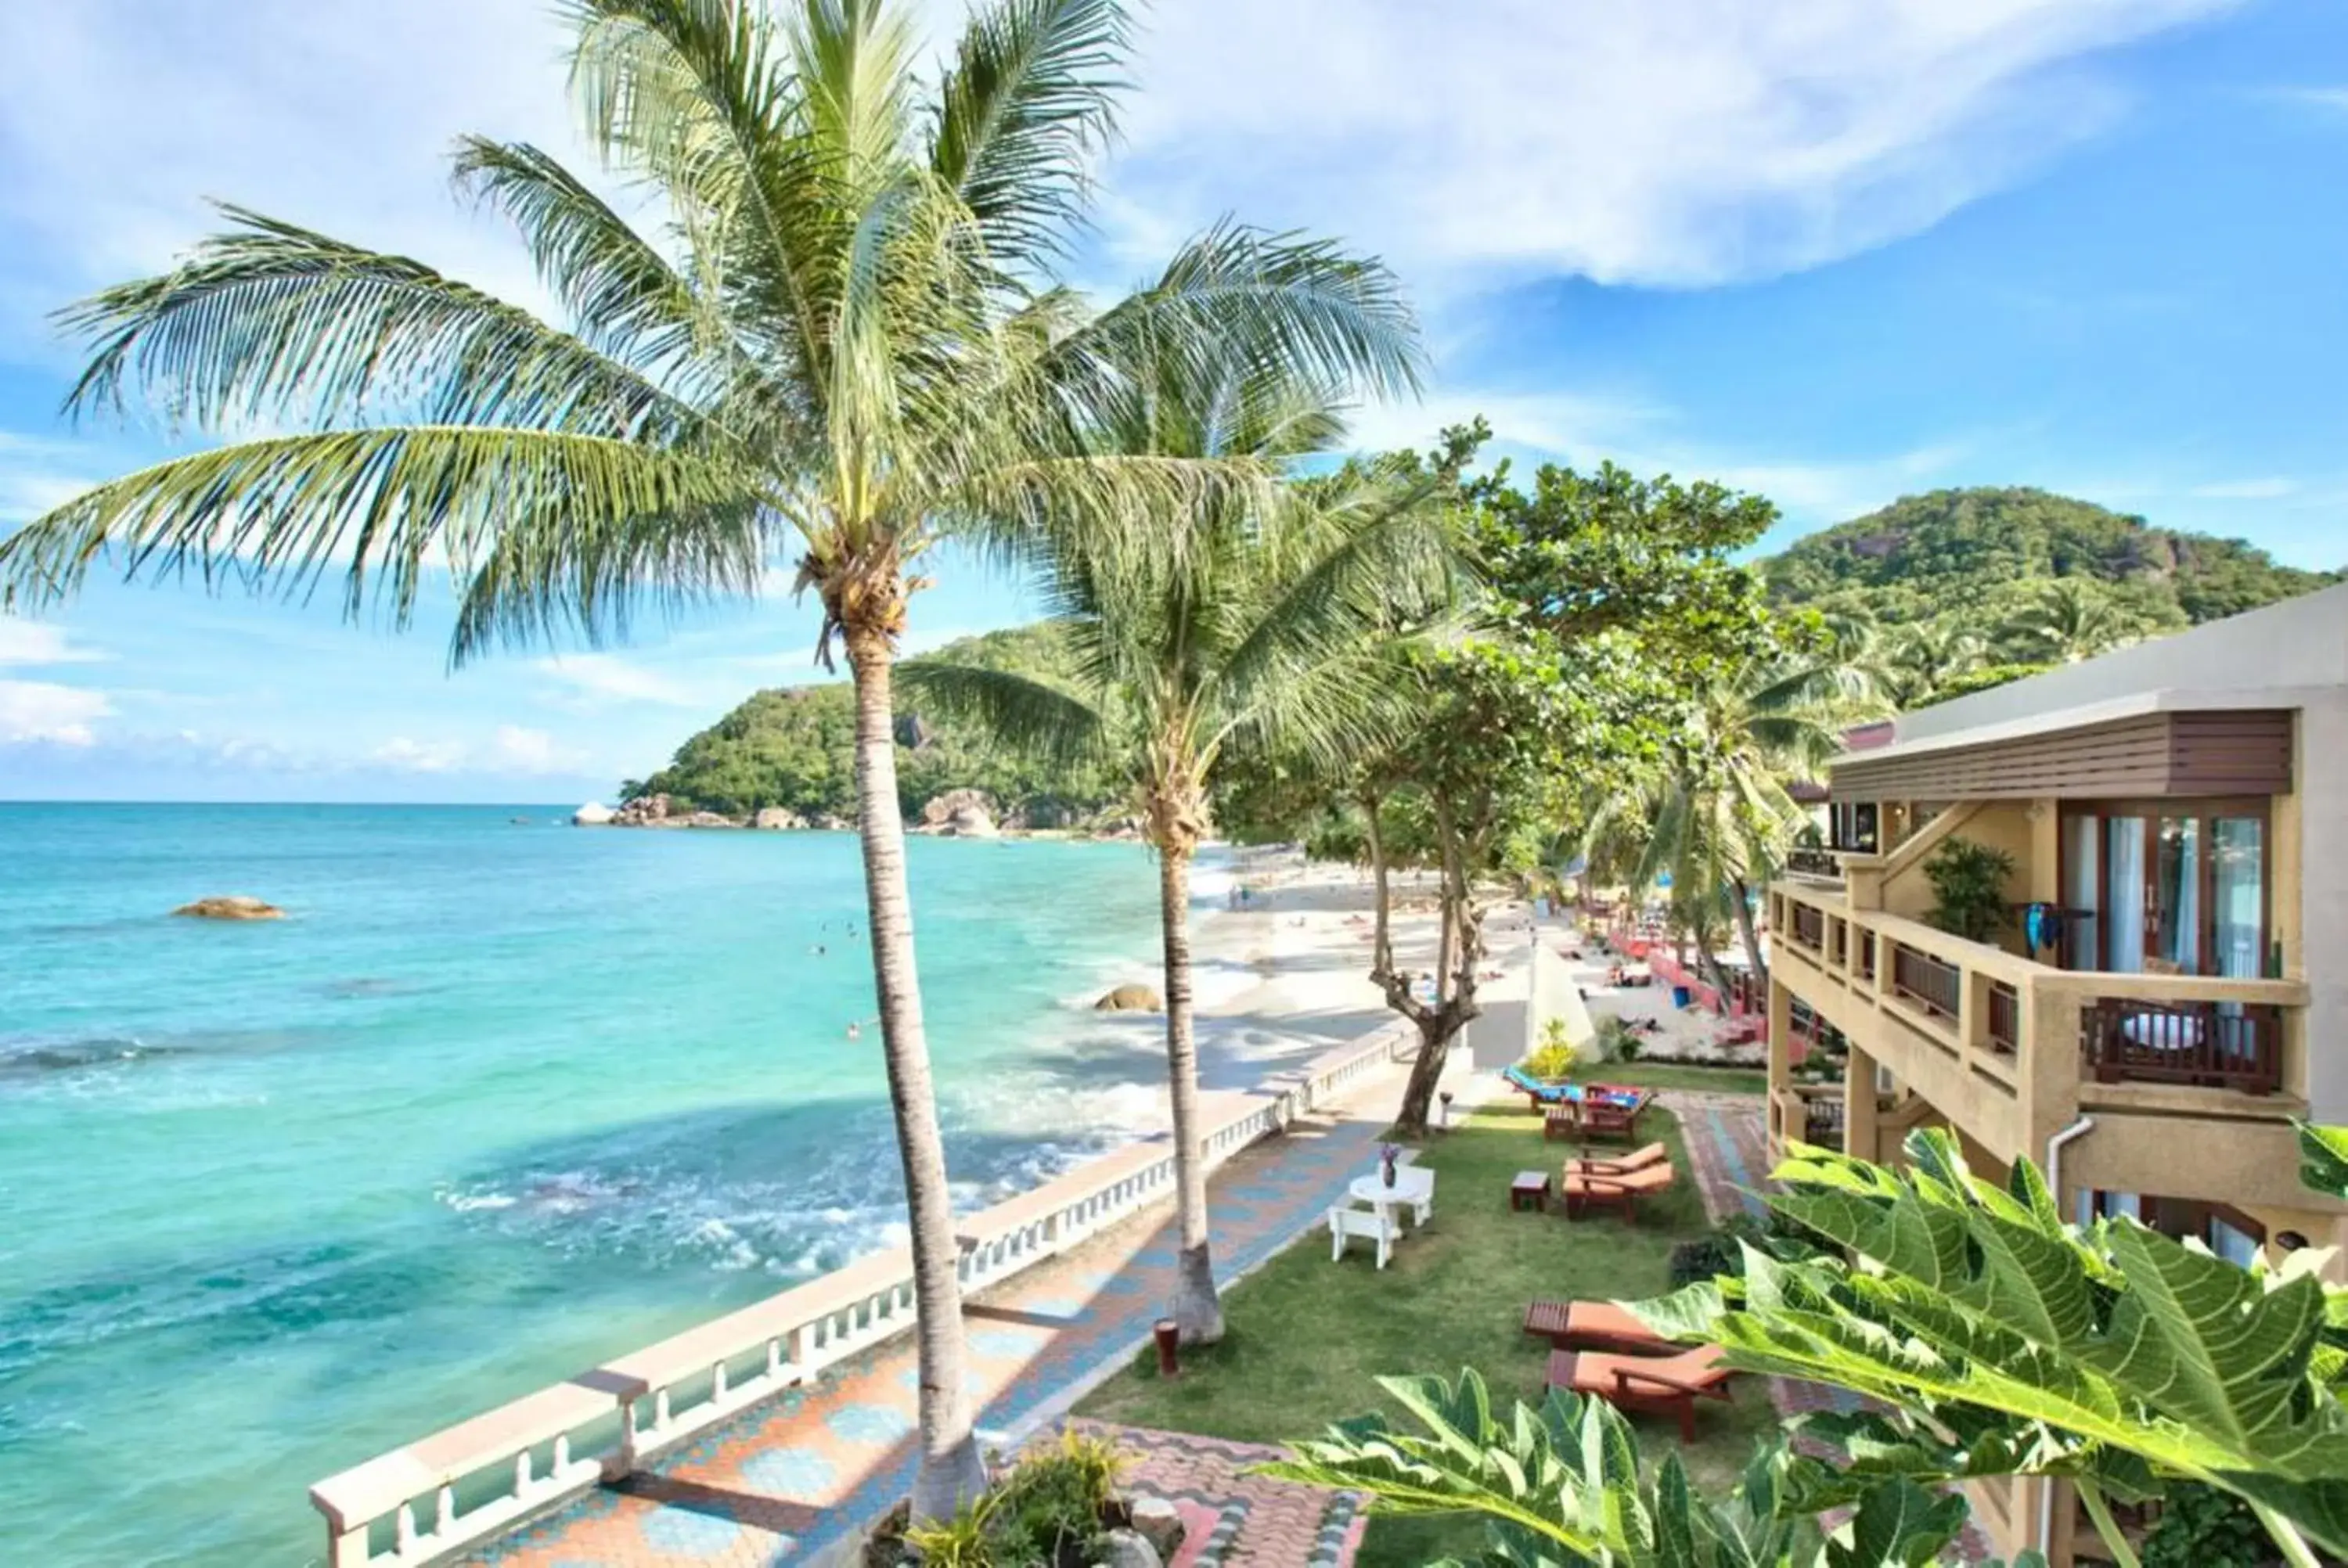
(1978, 1029)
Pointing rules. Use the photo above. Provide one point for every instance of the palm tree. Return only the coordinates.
(1927, 656)
(1248, 625)
(1720, 819)
(837, 343)
(2071, 620)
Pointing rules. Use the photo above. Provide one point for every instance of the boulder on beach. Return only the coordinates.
(232, 907)
(776, 819)
(828, 823)
(1130, 998)
(940, 815)
(971, 822)
(706, 819)
(594, 814)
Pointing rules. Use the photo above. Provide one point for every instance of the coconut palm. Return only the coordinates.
(1251, 625)
(831, 343)
(1719, 817)
(2070, 619)
(1926, 656)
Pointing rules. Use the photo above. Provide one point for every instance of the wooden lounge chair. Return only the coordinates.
(1582, 1189)
(1594, 1326)
(1603, 1116)
(1534, 1091)
(1646, 1385)
(1637, 1159)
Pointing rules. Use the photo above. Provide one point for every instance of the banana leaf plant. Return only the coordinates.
(2000, 1340)
(1560, 1485)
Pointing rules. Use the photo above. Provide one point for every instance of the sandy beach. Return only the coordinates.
(1287, 975)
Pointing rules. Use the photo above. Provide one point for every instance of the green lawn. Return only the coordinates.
(1306, 1336)
(1672, 1075)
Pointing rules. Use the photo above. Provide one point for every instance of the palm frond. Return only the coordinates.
(273, 320)
(622, 294)
(384, 506)
(1029, 100)
(1026, 714)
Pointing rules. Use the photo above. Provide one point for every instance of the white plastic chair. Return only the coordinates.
(1346, 1222)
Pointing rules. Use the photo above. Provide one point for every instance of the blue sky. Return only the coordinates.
(1833, 250)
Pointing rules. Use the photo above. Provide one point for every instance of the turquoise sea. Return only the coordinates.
(499, 1099)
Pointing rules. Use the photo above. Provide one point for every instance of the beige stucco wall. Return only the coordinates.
(2315, 880)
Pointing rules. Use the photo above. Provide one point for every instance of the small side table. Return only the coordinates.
(1529, 1190)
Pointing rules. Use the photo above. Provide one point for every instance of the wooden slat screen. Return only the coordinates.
(2154, 754)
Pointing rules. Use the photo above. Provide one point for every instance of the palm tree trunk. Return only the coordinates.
(1196, 1308)
(952, 1471)
(1737, 893)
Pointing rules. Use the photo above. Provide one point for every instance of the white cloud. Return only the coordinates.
(2262, 490)
(514, 749)
(1673, 142)
(42, 710)
(607, 677)
(403, 754)
(336, 116)
(29, 643)
(1585, 429)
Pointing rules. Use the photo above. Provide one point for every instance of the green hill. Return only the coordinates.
(1973, 557)
(1977, 555)
(794, 746)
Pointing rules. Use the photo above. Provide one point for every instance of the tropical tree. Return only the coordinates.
(1239, 625)
(1720, 819)
(2071, 619)
(836, 342)
(1999, 1339)
(1560, 1485)
(1924, 657)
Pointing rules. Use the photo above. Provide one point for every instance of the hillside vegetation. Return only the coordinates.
(794, 746)
(1980, 557)
(1957, 580)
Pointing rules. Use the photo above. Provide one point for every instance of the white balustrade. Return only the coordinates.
(624, 1411)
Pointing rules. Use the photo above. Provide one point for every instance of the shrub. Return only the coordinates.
(2203, 1527)
(1553, 1060)
(1047, 1511)
(1616, 1040)
(1710, 1256)
(1969, 889)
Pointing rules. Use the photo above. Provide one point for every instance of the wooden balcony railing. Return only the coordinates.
(1822, 863)
(1933, 984)
(2004, 1020)
(2208, 1045)
(1993, 1011)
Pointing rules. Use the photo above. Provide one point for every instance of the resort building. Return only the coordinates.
(2170, 990)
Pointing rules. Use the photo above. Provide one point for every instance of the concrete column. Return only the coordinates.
(1781, 1032)
(1860, 1138)
(2042, 878)
(2050, 1065)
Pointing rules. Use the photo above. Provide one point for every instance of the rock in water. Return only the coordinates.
(232, 907)
(1159, 1522)
(776, 818)
(594, 814)
(1130, 998)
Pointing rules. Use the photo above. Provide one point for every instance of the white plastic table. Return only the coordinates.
(1414, 1187)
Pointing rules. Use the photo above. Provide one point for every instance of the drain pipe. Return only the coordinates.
(2079, 1128)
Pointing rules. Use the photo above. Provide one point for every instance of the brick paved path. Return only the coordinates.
(799, 1476)
(1233, 1520)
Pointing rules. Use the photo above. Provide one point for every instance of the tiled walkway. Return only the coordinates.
(795, 1479)
(1231, 1518)
(792, 1479)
